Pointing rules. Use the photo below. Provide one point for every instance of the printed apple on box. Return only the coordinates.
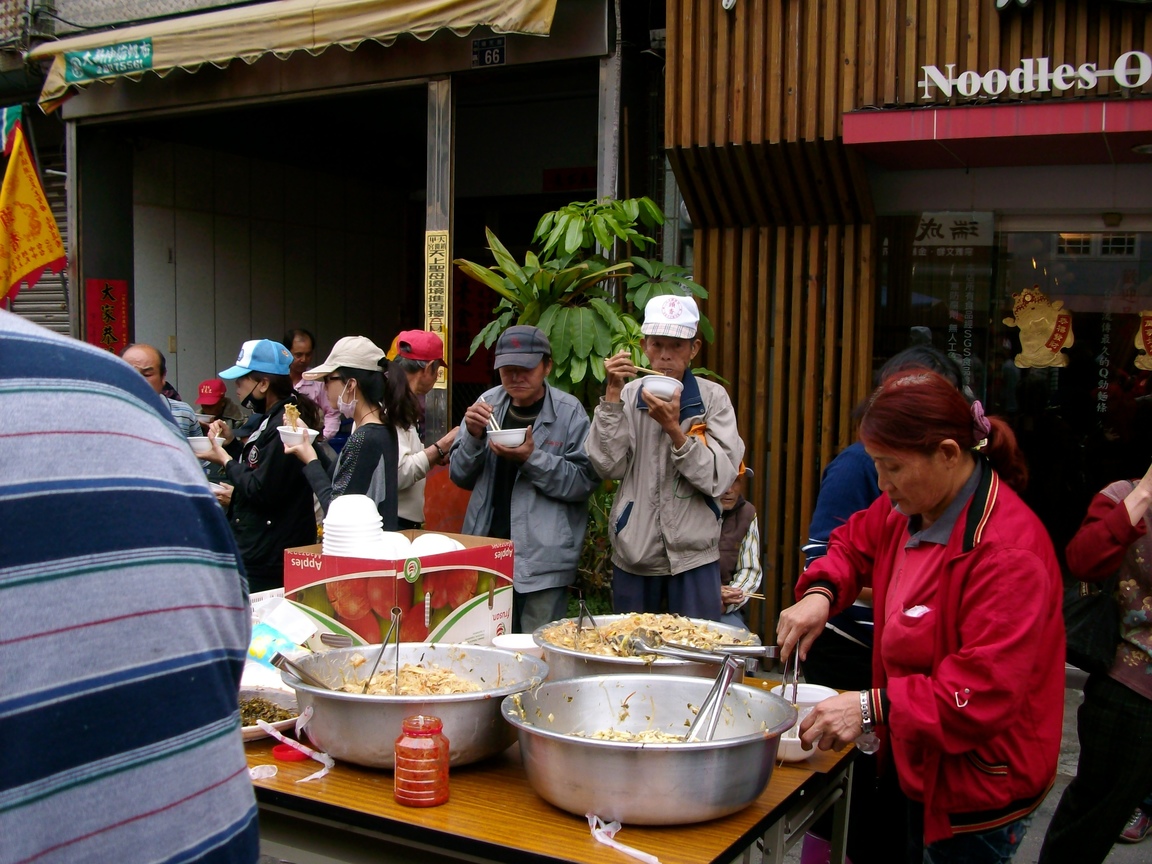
(463, 596)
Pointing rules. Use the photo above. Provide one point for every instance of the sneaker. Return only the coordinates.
(1137, 828)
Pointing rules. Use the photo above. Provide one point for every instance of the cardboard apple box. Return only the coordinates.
(460, 597)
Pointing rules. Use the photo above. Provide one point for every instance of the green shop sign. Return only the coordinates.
(123, 58)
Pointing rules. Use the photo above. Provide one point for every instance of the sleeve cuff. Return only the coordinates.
(824, 589)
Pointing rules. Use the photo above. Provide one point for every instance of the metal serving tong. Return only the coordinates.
(585, 614)
(645, 641)
(393, 627)
(708, 715)
(795, 661)
(284, 664)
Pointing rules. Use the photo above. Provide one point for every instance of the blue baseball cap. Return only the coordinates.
(260, 355)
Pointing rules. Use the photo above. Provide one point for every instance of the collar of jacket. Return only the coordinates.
(503, 401)
(980, 508)
(691, 402)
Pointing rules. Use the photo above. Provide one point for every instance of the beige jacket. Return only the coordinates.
(665, 518)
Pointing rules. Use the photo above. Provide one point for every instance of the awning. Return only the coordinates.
(1054, 132)
(281, 27)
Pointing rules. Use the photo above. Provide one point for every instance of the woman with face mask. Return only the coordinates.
(377, 402)
(271, 506)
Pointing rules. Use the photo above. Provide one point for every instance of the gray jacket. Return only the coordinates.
(665, 518)
(549, 499)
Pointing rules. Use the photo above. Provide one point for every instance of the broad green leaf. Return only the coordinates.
(631, 209)
(600, 229)
(505, 261)
(546, 319)
(648, 266)
(573, 236)
(491, 279)
(531, 261)
(706, 331)
(530, 314)
(601, 333)
(616, 227)
(557, 232)
(581, 331)
(544, 226)
(577, 366)
(608, 313)
(596, 364)
(558, 335)
(708, 373)
(654, 213)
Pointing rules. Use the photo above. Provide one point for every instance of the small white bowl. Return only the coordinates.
(292, 436)
(353, 510)
(507, 437)
(807, 695)
(205, 418)
(434, 544)
(520, 643)
(201, 444)
(661, 385)
(283, 698)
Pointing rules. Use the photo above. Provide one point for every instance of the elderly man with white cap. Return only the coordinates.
(674, 458)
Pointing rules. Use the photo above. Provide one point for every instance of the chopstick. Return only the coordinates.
(754, 596)
(492, 424)
(640, 370)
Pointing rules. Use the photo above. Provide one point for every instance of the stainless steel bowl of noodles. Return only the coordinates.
(611, 745)
(362, 728)
(568, 657)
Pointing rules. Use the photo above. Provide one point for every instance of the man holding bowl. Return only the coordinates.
(533, 489)
(674, 455)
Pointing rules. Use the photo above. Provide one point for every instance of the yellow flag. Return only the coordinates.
(29, 240)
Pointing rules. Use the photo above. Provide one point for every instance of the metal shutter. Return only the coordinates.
(46, 302)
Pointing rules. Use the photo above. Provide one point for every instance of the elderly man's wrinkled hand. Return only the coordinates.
(799, 625)
(666, 412)
(515, 454)
(833, 723)
(619, 368)
(476, 418)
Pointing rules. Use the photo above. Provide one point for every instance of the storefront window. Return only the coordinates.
(1053, 331)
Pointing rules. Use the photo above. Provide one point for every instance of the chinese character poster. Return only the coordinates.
(106, 313)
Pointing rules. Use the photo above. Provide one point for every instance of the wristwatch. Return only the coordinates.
(440, 450)
(867, 742)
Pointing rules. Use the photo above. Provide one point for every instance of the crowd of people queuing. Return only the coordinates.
(931, 592)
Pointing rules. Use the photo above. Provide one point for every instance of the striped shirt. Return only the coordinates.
(123, 622)
(747, 574)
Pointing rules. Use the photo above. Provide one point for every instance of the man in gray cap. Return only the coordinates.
(535, 493)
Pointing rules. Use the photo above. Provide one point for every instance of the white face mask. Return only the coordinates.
(345, 408)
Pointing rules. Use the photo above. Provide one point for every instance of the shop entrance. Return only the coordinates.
(1053, 330)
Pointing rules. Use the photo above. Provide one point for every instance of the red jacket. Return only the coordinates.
(986, 723)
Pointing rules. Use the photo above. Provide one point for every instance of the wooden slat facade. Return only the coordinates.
(784, 222)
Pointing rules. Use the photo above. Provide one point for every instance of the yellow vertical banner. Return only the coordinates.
(29, 239)
(437, 283)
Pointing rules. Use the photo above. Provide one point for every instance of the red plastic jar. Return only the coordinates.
(420, 776)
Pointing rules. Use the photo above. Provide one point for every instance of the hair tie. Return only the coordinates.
(980, 424)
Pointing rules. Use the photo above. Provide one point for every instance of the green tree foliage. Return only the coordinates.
(567, 288)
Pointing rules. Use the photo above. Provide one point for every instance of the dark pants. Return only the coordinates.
(1115, 727)
(996, 846)
(402, 523)
(695, 592)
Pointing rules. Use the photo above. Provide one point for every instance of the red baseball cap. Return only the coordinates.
(211, 392)
(420, 345)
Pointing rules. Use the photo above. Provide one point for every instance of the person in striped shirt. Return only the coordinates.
(740, 570)
(124, 622)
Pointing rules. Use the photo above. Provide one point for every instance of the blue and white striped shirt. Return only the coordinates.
(123, 622)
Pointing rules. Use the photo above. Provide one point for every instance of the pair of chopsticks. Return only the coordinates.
(754, 596)
(492, 424)
(640, 370)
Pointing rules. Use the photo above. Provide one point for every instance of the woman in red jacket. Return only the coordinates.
(1115, 722)
(968, 661)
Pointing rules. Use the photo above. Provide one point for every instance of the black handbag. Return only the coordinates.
(1091, 624)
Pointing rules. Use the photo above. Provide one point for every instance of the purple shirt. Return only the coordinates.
(317, 391)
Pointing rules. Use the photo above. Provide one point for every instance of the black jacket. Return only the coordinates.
(272, 507)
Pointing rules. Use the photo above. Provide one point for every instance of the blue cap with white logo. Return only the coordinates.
(260, 355)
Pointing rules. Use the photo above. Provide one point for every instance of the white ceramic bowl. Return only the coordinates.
(352, 510)
(507, 437)
(807, 695)
(520, 643)
(292, 436)
(434, 544)
(201, 444)
(205, 418)
(661, 385)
